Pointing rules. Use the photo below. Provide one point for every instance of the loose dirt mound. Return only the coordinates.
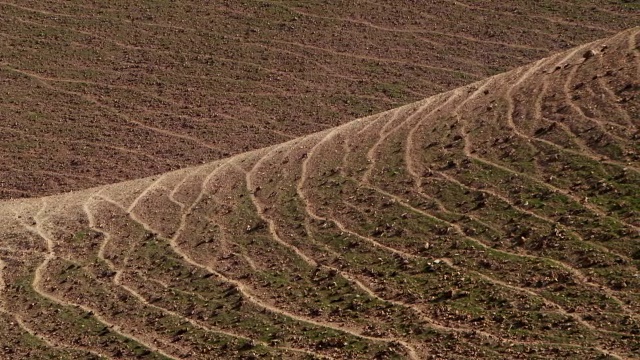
(499, 220)
(94, 94)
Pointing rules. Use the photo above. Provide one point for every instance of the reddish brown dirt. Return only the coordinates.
(95, 93)
(497, 220)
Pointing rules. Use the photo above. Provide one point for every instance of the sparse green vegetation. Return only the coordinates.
(498, 220)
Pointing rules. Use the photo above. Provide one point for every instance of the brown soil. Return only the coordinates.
(94, 94)
(497, 220)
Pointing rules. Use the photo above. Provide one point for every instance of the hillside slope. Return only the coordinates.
(499, 220)
(95, 93)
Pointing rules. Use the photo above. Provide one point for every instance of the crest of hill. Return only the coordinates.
(497, 220)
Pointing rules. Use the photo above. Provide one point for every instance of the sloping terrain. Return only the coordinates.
(498, 220)
(99, 92)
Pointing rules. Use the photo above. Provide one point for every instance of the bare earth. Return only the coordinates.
(499, 220)
(94, 93)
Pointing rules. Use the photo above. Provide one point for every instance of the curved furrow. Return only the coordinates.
(164, 52)
(173, 102)
(410, 350)
(362, 126)
(613, 99)
(410, 147)
(504, 284)
(31, 332)
(576, 273)
(515, 129)
(470, 153)
(38, 11)
(366, 57)
(461, 232)
(382, 133)
(574, 203)
(385, 133)
(311, 60)
(311, 213)
(589, 7)
(330, 72)
(225, 240)
(152, 298)
(370, 292)
(462, 330)
(312, 262)
(553, 189)
(38, 278)
(357, 285)
(369, 240)
(120, 114)
(47, 348)
(252, 188)
(508, 95)
(537, 114)
(48, 172)
(178, 186)
(72, 324)
(585, 150)
(600, 123)
(183, 188)
(526, 76)
(418, 33)
(144, 193)
(201, 194)
(120, 271)
(522, 210)
(493, 280)
(567, 88)
(540, 17)
(246, 292)
(235, 119)
(91, 143)
(106, 85)
(324, 248)
(197, 324)
(206, 328)
(458, 228)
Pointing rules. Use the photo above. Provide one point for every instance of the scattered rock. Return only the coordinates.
(589, 54)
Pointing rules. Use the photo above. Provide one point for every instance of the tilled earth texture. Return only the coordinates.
(499, 220)
(96, 92)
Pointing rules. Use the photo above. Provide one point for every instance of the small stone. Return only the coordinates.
(589, 54)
